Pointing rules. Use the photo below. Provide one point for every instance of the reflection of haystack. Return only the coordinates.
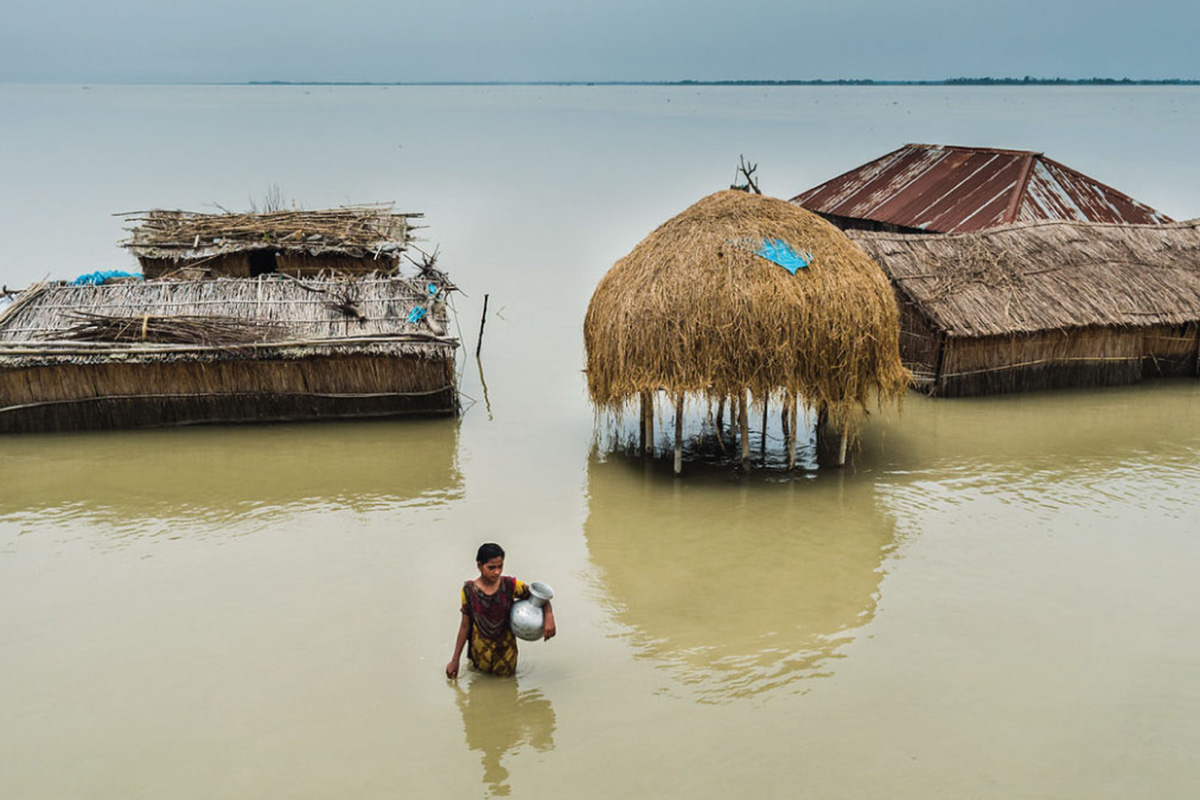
(695, 309)
(740, 590)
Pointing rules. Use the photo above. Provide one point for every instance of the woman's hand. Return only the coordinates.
(452, 669)
(548, 629)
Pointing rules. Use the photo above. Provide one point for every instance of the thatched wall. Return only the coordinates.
(233, 265)
(269, 348)
(920, 342)
(248, 264)
(69, 397)
(1047, 360)
(695, 309)
(1171, 350)
(1045, 305)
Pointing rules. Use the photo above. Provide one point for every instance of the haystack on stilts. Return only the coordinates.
(714, 304)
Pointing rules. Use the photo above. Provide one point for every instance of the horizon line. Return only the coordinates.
(986, 80)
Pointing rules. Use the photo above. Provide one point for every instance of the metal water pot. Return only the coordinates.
(527, 618)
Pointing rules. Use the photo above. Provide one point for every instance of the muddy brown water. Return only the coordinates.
(997, 598)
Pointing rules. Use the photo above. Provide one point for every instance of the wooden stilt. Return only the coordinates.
(820, 431)
(720, 436)
(783, 418)
(679, 433)
(763, 447)
(793, 424)
(842, 451)
(733, 419)
(648, 422)
(642, 423)
(744, 426)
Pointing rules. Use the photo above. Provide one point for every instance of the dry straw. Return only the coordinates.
(357, 231)
(1046, 276)
(693, 309)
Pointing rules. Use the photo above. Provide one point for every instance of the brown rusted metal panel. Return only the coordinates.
(946, 189)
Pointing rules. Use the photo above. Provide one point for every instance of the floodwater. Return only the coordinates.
(996, 599)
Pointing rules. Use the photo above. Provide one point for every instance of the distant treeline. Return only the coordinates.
(1028, 80)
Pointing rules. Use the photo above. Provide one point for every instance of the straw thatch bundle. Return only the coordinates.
(355, 231)
(693, 309)
(1044, 276)
(229, 318)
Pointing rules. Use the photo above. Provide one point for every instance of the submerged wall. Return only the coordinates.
(113, 395)
(1060, 359)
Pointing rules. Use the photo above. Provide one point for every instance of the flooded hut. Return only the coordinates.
(933, 188)
(242, 318)
(1044, 305)
(351, 240)
(744, 297)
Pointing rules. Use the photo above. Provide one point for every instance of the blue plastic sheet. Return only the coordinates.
(100, 276)
(416, 315)
(780, 252)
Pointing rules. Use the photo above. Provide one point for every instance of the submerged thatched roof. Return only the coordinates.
(1046, 275)
(695, 309)
(365, 231)
(271, 316)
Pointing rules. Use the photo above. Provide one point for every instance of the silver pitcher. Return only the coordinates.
(527, 619)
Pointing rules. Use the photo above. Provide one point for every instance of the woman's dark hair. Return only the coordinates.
(487, 552)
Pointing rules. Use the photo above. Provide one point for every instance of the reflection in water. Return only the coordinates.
(1072, 449)
(498, 719)
(212, 474)
(739, 587)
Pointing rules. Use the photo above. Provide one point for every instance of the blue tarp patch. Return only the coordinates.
(780, 252)
(416, 314)
(100, 276)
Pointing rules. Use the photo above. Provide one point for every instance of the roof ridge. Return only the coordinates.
(1014, 205)
(976, 149)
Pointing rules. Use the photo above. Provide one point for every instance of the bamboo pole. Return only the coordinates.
(763, 447)
(744, 426)
(679, 433)
(783, 417)
(482, 322)
(642, 422)
(793, 424)
(842, 451)
(648, 420)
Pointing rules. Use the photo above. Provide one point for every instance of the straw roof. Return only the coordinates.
(695, 309)
(1046, 275)
(364, 231)
(236, 318)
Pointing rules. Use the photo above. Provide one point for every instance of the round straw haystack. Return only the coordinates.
(694, 309)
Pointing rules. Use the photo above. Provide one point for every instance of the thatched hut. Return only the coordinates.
(357, 240)
(1044, 305)
(744, 294)
(176, 352)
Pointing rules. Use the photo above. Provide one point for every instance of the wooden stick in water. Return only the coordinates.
(482, 322)
(744, 426)
(679, 433)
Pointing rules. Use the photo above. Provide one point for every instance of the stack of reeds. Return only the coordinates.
(693, 310)
(354, 230)
(207, 330)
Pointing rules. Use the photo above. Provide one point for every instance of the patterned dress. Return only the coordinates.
(491, 645)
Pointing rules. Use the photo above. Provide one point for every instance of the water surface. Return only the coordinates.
(996, 599)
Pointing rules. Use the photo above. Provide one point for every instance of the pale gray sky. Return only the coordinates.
(515, 40)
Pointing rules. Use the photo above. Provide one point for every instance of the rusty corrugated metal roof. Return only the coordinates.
(945, 189)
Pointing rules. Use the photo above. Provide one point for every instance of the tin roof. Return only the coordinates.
(945, 189)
